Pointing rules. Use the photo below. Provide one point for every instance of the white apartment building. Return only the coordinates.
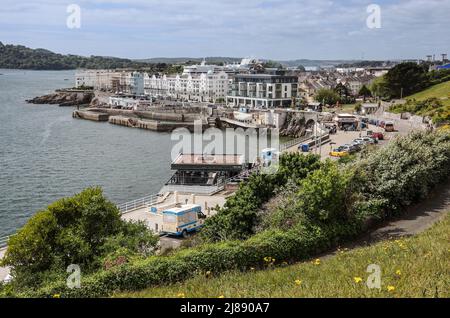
(111, 80)
(263, 90)
(203, 87)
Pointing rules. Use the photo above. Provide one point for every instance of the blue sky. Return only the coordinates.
(275, 29)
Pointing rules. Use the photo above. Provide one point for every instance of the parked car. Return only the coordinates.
(369, 140)
(377, 135)
(360, 141)
(389, 126)
(339, 152)
(358, 147)
(350, 148)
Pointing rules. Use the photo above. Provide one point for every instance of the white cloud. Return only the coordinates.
(269, 28)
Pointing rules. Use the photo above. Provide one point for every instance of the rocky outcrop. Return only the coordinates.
(293, 127)
(64, 98)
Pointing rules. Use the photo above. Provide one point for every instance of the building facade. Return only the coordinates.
(262, 90)
(200, 87)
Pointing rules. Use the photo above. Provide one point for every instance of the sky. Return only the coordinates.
(271, 29)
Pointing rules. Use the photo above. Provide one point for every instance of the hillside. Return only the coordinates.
(433, 102)
(21, 57)
(440, 91)
(411, 267)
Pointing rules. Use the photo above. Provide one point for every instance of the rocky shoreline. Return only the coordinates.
(65, 98)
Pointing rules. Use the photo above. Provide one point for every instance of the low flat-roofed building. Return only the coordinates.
(207, 162)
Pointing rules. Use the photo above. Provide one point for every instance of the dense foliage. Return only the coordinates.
(21, 57)
(431, 107)
(237, 219)
(327, 96)
(322, 207)
(406, 79)
(86, 230)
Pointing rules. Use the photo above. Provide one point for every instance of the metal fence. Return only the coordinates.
(136, 204)
(294, 142)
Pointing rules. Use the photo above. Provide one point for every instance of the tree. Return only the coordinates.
(342, 91)
(365, 92)
(79, 230)
(327, 96)
(406, 79)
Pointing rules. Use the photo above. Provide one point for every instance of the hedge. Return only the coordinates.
(294, 245)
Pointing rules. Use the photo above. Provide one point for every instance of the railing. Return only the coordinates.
(294, 142)
(205, 190)
(4, 241)
(136, 204)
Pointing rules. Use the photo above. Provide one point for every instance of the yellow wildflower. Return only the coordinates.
(317, 262)
(56, 296)
(390, 288)
(221, 296)
(398, 272)
(181, 295)
(298, 282)
(357, 279)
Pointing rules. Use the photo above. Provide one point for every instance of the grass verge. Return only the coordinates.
(440, 91)
(410, 267)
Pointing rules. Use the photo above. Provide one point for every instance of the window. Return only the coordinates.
(170, 218)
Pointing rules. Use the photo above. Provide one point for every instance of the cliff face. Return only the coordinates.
(64, 98)
(293, 127)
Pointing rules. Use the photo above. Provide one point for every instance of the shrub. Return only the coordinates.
(78, 230)
(237, 219)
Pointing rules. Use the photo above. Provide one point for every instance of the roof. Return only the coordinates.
(209, 159)
(183, 209)
(208, 162)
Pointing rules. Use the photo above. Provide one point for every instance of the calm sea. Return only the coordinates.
(46, 155)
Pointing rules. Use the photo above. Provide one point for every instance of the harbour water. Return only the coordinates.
(45, 154)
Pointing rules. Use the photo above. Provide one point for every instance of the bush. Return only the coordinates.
(79, 230)
(237, 219)
(296, 244)
(323, 197)
(404, 171)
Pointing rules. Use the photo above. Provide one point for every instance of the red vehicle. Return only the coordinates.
(377, 135)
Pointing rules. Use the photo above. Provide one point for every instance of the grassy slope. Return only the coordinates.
(414, 267)
(439, 91)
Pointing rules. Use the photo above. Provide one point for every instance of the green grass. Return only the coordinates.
(441, 91)
(411, 267)
(345, 108)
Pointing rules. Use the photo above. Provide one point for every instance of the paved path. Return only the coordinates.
(416, 219)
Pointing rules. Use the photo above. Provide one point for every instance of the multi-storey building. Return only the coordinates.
(263, 90)
(203, 87)
(111, 80)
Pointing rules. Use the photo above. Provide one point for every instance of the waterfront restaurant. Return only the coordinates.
(202, 173)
